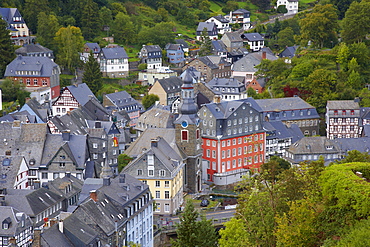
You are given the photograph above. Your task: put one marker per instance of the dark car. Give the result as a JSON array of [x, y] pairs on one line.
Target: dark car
[[204, 203]]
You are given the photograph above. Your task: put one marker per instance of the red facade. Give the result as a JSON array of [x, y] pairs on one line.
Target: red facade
[[36, 82], [234, 153]]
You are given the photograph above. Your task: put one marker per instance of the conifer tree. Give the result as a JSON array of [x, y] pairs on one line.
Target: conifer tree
[[92, 75], [6, 48]]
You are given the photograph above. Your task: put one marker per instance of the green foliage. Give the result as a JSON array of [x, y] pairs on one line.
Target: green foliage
[[69, 42], [135, 90], [358, 235], [206, 46], [142, 66], [13, 91], [123, 161], [92, 75], [149, 100], [285, 37], [161, 34], [263, 5], [6, 48], [354, 156], [234, 234], [47, 27], [123, 29], [282, 9], [31, 10], [230, 6], [90, 20], [191, 232]]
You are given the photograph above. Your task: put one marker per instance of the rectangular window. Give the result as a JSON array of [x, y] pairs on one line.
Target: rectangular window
[[158, 207], [95, 145], [167, 207], [223, 143], [166, 184], [151, 173], [157, 183], [214, 154], [213, 165], [208, 153], [184, 135], [157, 194], [223, 154], [213, 143], [34, 81], [55, 175], [234, 152], [240, 151], [44, 175], [162, 173], [167, 194]]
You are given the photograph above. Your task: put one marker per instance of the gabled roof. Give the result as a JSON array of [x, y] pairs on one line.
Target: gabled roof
[[182, 42], [171, 85], [94, 47], [220, 18], [361, 144], [209, 26], [230, 83], [157, 116], [81, 92], [214, 61], [314, 145], [123, 99], [58, 185], [12, 217], [173, 47], [9, 168], [289, 51], [342, 105], [43, 65], [234, 37], [41, 112], [241, 11], [9, 13], [153, 48], [114, 53], [53, 237], [252, 36], [219, 46], [32, 48], [250, 61]]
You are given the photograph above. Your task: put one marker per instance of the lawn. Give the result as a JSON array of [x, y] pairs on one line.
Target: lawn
[[216, 8], [306, 1]]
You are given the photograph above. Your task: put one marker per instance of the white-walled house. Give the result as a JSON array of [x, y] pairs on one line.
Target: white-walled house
[[290, 5], [113, 62], [221, 22]]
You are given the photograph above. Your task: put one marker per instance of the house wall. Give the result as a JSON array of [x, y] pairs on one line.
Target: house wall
[[158, 90], [114, 68]]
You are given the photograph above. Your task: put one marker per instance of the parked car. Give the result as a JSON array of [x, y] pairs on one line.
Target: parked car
[[204, 203]]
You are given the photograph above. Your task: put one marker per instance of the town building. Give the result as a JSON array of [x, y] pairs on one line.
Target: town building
[[93, 48], [162, 168], [167, 89], [175, 54], [184, 45], [258, 85], [288, 53], [240, 16], [228, 88], [232, 41], [222, 24], [255, 41], [343, 119], [19, 32], [290, 5], [210, 67], [148, 77], [291, 110], [151, 55], [219, 48], [233, 139], [35, 50], [40, 75], [113, 62], [207, 28]]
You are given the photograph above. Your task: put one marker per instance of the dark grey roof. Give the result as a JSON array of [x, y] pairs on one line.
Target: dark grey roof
[[79, 233], [252, 36], [8, 173], [288, 51], [250, 61], [217, 84], [182, 42], [33, 49], [261, 81], [123, 100], [153, 48], [221, 18], [214, 61], [209, 26], [41, 112], [277, 129], [43, 65], [240, 11], [8, 14], [53, 237], [58, 185], [94, 47], [173, 47], [156, 117], [171, 85], [81, 92], [218, 46], [314, 145], [234, 37], [13, 217], [114, 53], [361, 144]]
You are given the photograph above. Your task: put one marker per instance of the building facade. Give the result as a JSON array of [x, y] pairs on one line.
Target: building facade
[[113, 62]]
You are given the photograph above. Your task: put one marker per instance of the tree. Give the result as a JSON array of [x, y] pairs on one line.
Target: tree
[[31, 10], [285, 37], [206, 47], [13, 91], [282, 9], [123, 29], [191, 232], [354, 156], [90, 20], [230, 6], [6, 48], [92, 75], [355, 24], [47, 27], [123, 161], [161, 34], [263, 5], [69, 42], [106, 17], [320, 26], [149, 100], [234, 234]]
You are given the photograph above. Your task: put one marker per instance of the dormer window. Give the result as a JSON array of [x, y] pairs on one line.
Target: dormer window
[[329, 147], [344, 112], [6, 223]]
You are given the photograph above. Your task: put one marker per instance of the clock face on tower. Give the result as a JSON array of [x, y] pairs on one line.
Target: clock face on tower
[[184, 124]]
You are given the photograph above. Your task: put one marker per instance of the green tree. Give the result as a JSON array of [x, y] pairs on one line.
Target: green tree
[[69, 42], [358, 235], [123, 29], [13, 91], [356, 22], [191, 232], [161, 34], [263, 5], [31, 10], [234, 234], [6, 48], [354, 156], [90, 20], [123, 161], [117, 8], [106, 17], [92, 75], [282, 9], [47, 27], [343, 56], [230, 6], [149, 100], [285, 37], [320, 26], [206, 46]]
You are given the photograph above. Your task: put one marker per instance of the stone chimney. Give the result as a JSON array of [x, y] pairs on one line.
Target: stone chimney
[[263, 55], [36, 238], [217, 99], [94, 195], [66, 135], [154, 142]]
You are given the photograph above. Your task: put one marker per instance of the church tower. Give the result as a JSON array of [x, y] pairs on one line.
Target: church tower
[[188, 136]]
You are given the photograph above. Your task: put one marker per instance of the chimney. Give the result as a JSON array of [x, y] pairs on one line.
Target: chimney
[[122, 178], [53, 221], [97, 125], [106, 181], [93, 195], [36, 238], [12, 241], [66, 135], [60, 226], [217, 99], [154, 142], [263, 55]]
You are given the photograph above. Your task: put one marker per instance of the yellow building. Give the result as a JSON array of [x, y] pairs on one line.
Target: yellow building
[[162, 168]]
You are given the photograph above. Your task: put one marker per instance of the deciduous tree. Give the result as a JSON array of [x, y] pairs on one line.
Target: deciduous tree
[[123, 29], [47, 27], [149, 100]]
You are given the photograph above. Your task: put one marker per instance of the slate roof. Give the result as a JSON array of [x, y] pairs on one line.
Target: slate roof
[[27, 63], [361, 144], [283, 104], [227, 83], [58, 185], [93, 47], [289, 51], [41, 112], [53, 237], [153, 48], [314, 145], [8, 173], [173, 47], [252, 36], [114, 53], [241, 11], [12, 216], [8, 14], [81, 92], [182, 42], [79, 232], [209, 26], [279, 130], [195, 74], [171, 84], [157, 116], [144, 141], [234, 37], [342, 105], [218, 46], [32, 49], [122, 100], [250, 61], [221, 18], [214, 61]]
